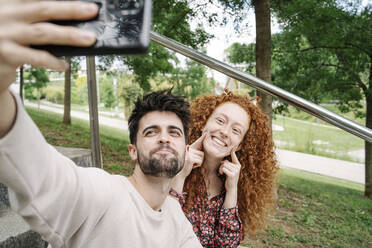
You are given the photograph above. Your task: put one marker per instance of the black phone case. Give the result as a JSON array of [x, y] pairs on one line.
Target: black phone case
[[118, 31]]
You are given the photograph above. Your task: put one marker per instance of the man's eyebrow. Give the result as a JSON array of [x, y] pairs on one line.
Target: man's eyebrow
[[175, 127], [149, 127]]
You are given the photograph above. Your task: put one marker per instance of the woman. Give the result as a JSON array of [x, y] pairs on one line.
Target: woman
[[228, 183]]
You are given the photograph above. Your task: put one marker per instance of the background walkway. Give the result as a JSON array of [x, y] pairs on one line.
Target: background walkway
[[341, 169]]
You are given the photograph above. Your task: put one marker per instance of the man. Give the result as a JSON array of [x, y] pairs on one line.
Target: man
[[72, 206]]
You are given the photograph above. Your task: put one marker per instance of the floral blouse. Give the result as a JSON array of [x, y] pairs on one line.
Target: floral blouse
[[215, 227]]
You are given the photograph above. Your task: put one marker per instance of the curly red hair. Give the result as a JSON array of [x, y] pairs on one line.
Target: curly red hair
[[257, 181]]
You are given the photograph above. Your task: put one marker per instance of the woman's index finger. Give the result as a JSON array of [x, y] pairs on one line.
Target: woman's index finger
[[198, 144], [234, 158]]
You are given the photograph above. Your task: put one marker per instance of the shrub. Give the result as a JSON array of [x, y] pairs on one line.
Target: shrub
[[54, 94]]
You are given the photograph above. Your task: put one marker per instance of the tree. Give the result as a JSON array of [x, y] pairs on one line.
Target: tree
[[263, 43], [192, 81], [263, 51], [108, 95], [38, 78], [172, 19], [130, 91], [67, 95], [326, 45], [291, 71], [21, 82], [73, 68]]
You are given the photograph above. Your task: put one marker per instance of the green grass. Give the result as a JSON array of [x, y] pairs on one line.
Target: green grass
[[312, 210], [83, 108], [114, 142], [301, 115], [299, 136], [317, 211]]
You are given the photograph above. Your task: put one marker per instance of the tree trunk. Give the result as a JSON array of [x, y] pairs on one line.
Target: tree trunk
[[368, 146], [263, 51], [67, 97], [21, 82]]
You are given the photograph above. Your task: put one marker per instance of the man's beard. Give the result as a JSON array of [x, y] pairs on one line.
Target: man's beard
[[162, 166]]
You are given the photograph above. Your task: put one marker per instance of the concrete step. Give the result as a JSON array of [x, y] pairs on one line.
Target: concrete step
[[15, 232]]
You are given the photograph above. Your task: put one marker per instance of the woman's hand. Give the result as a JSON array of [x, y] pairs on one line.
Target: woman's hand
[[194, 158], [194, 155], [232, 172]]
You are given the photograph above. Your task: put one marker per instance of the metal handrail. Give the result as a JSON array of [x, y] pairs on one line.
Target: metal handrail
[[311, 108]]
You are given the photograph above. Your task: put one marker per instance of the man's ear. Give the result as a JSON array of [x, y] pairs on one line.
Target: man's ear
[[132, 151]]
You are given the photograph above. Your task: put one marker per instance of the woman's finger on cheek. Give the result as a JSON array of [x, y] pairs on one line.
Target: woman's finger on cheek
[[199, 153], [220, 170], [196, 165]]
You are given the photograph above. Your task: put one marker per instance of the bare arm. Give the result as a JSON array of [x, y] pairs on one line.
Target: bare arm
[[7, 112]]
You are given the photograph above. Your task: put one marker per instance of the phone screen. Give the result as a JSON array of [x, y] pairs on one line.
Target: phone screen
[[122, 27]]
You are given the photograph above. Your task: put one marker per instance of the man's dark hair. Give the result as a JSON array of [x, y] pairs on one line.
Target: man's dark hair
[[162, 100]]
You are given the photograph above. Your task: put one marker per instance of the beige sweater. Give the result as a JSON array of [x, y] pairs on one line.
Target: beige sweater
[[72, 206]]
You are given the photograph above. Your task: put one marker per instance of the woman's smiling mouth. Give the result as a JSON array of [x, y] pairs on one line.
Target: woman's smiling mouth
[[218, 141]]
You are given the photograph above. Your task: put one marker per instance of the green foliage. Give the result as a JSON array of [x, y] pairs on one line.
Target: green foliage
[[325, 50], [192, 81], [37, 79], [158, 60], [54, 94], [172, 19], [108, 96], [243, 54], [129, 92], [79, 91], [323, 53], [29, 93], [107, 90], [75, 66]]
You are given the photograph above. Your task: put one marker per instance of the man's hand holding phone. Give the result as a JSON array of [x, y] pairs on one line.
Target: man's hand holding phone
[[121, 27], [24, 23]]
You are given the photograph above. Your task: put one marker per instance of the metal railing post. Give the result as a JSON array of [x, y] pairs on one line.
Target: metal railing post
[[93, 113], [311, 108]]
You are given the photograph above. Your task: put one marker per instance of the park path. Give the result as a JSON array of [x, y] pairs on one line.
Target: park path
[[349, 171]]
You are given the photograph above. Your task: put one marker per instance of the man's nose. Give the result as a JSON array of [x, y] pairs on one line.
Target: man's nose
[[163, 138]]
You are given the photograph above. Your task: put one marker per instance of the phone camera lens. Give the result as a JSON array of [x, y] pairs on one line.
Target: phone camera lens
[[130, 4]]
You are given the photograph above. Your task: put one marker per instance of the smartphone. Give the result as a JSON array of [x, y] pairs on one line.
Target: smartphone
[[122, 27]]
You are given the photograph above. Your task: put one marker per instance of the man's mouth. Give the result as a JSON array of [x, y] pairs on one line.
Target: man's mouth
[[164, 150]]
